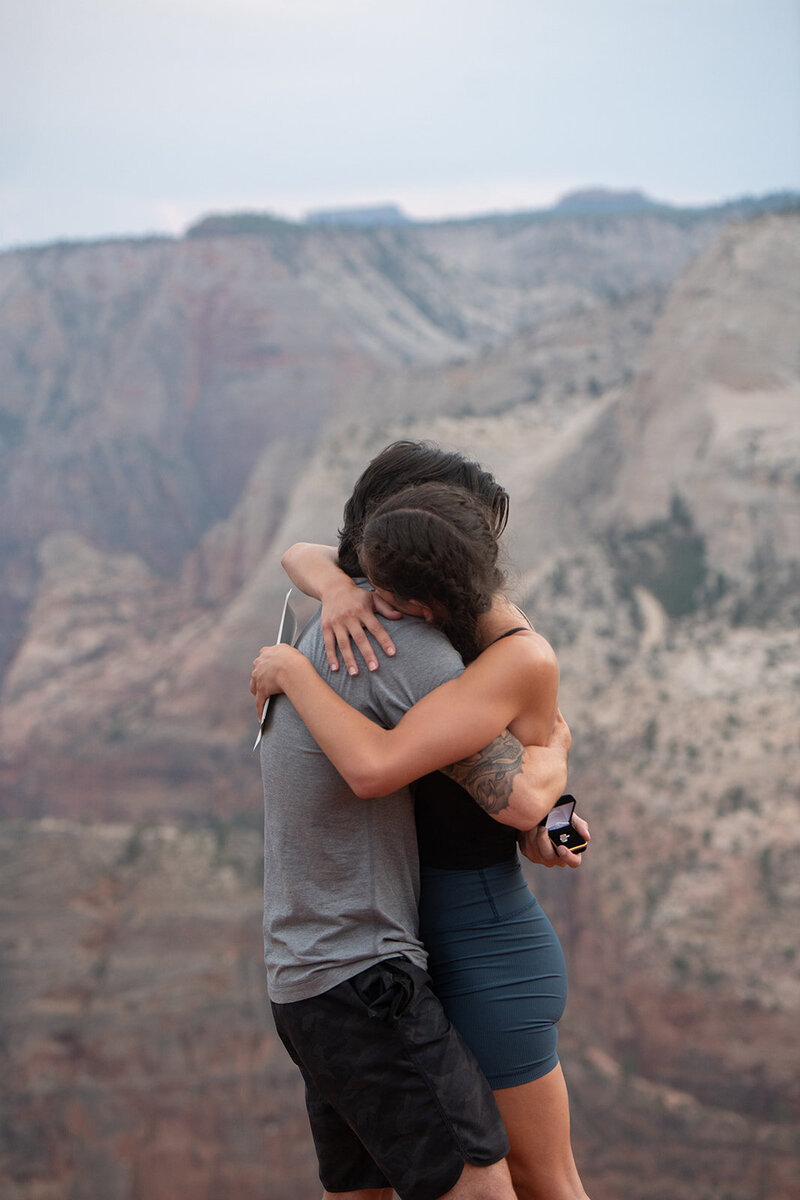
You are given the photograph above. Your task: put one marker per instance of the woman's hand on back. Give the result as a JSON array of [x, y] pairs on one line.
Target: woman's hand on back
[[348, 611], [348, 615]]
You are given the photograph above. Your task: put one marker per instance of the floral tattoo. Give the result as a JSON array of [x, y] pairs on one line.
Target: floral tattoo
[[489, 775]]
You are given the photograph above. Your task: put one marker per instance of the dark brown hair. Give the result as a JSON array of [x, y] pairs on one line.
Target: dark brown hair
[[435, 544], [402, 464]]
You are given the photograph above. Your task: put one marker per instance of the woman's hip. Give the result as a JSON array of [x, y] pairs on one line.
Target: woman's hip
[[470, 899], [486, 932], [498, 968]]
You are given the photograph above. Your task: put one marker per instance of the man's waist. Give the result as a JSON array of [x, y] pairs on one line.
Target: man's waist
[[291, 979]]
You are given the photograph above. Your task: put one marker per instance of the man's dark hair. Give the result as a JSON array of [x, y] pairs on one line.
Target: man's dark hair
[[434, 543], [403, 464]]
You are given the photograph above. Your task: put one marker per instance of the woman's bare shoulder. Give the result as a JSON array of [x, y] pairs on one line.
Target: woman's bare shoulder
[[538, 648], [526, 647], [523, 661], [537, 661]]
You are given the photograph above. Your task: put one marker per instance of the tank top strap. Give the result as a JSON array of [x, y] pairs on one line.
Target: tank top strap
[[508, 633]]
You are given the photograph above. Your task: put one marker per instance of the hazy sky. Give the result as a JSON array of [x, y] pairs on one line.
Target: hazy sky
[[129, 116]]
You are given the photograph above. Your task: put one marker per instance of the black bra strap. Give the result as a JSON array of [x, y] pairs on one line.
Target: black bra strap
[[508, 632]]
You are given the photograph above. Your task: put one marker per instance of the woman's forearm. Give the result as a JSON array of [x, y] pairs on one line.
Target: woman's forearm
[[313, 568], [360, 749], [375, 761], [459, 718], [542, 779], [516, 785], [537, 789]]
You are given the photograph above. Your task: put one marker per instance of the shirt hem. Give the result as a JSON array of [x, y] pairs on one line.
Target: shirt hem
[[331, 979]]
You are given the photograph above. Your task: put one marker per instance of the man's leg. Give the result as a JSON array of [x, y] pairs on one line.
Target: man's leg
[[483, 1183], [382, 1056], [346, 1169], [476, 1183]]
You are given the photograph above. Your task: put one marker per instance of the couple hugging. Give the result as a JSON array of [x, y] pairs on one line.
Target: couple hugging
[[414, 979]]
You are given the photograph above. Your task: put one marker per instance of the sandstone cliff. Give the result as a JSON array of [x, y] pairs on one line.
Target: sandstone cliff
[[175, 415]]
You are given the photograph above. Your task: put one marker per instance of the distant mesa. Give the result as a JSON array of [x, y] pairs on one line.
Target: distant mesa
[[588, 201], [221, 224], [362, 217], [369, 217]]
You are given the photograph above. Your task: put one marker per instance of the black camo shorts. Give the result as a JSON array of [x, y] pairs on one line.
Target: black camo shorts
[[394, 1096]]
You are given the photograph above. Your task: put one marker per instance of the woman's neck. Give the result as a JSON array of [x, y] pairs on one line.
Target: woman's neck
[[503, 615]]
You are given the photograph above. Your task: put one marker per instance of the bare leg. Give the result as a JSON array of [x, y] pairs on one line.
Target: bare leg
[[482, 1183], [536, 1117], [475, 1183]]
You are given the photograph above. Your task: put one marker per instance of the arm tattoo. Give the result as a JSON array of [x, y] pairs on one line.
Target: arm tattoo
[[489, 776]]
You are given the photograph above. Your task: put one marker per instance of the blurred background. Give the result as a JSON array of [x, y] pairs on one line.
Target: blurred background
[[242, 247]]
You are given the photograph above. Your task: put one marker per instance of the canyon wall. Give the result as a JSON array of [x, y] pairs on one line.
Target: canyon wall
[[173, 415]]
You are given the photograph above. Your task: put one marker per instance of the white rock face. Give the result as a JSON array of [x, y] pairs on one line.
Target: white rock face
[[636, 387]]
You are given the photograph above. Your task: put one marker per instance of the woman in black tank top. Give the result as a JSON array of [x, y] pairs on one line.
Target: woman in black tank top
[[494, 957], [453, 832]]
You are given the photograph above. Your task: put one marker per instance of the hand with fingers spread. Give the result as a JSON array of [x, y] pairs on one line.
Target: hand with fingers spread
[[348, 616], [348, 611]]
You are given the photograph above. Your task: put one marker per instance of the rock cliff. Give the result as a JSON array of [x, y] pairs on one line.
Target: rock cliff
[[174, 415]]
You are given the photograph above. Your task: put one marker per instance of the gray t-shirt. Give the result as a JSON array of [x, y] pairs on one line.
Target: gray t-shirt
[[341, 875]]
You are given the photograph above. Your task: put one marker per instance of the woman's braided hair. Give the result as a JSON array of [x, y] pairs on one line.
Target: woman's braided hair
[[404, 464], [435, 544]]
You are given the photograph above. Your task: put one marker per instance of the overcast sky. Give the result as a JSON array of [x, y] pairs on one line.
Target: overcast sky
[[130, 116]]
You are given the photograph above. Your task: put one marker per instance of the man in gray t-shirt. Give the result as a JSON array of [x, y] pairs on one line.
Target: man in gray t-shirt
[[341, 879]]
